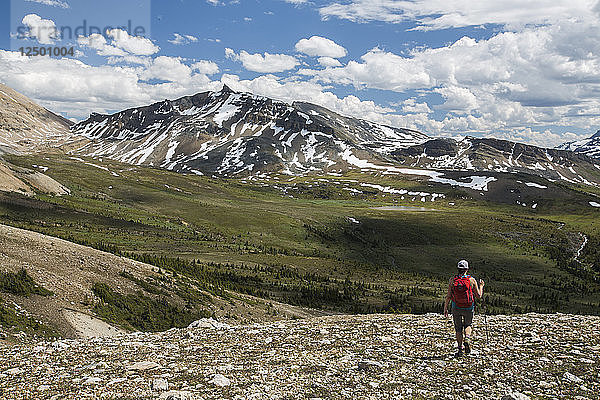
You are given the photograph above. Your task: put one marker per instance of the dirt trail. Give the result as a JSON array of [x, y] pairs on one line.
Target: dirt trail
[[87, 326]]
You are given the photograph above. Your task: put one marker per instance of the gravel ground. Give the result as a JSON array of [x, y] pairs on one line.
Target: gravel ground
[[337, 357]]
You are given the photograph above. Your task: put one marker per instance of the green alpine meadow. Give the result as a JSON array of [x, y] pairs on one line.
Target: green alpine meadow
[[315, 241]]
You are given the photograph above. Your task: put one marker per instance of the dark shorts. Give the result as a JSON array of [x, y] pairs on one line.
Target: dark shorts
[[461, 318]]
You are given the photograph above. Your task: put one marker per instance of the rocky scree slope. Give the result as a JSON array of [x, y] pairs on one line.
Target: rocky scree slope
[[26, 181], [229, 133], [70, 270], [528, 356], [26, 126]]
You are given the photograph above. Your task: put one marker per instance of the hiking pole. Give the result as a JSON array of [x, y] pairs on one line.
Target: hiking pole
[[487, 331]]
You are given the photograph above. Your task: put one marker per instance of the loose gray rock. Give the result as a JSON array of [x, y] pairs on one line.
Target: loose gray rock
[[177, 395], [144, 366], [516, 396], [296, 364], [220, 380], [160, 385], [14, 371], [572, 378], [369, 365], [209, 323]]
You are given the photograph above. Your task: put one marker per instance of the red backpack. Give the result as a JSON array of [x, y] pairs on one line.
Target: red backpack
[[462, 291]]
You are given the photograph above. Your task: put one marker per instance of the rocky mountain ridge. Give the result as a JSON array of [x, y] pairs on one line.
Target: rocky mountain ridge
[[495, 155], [531, 356], [589, 147], [26, 126], [229, 133]]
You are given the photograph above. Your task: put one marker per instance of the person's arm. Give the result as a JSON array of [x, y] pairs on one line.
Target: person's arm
[[478, 287], [448, 299]]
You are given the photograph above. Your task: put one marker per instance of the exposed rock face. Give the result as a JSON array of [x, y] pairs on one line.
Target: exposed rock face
[[341, 357], [26, 126], [229, 133], [501, 156], [589, 147]]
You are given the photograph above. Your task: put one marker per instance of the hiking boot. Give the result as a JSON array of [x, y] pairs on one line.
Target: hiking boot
[[467, 348], [459, 354]]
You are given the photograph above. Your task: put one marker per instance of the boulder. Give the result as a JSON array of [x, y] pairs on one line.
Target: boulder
[[160, 385], [177, 395], [220, 380], [369, 365], [515, 396], [144, 366], [572, 378], [209, 323]]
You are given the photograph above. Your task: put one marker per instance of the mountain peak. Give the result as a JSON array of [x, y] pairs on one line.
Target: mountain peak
[[226, 89], [228, 133], [596, 135]]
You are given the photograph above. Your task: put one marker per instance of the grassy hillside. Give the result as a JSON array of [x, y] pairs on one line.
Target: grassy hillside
[[316, 241]]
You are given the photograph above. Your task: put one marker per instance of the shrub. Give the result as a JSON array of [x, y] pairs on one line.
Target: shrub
[[21, 284]]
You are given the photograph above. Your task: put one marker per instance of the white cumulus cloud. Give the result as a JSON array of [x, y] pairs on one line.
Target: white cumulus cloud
[[329, 62], [378, 70], [457, 99], [266, 63], [443, 14], [121, 44], [43, 30], [318, 46], [52, 3], [98, 42], [182, 39], [206, 67], [411, 106], [132, 44], [75, 88]]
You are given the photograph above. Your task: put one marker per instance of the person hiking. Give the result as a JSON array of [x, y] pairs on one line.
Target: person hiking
[[461, 289]]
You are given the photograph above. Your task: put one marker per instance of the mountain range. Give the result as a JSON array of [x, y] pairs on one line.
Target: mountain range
[[483, 154], [227, 133], [590, 146]]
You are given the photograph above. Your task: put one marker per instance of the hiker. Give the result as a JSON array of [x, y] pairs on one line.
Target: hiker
[[460, 291]]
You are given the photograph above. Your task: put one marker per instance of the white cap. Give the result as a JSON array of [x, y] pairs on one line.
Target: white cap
[[463, 264]]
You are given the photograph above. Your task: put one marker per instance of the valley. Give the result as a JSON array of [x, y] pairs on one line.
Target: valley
[[376, 226], [321, 241]]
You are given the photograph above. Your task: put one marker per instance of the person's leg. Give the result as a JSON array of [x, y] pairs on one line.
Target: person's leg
[[458, 328], [468, 316], [459, 339], [468, 331]]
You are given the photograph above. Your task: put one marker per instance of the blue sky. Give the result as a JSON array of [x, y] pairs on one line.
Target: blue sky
[[527, 72]]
